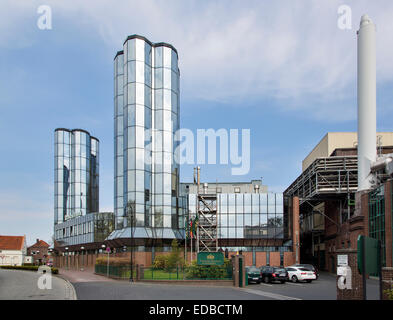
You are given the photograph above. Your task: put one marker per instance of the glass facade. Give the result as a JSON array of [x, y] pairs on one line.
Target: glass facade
[[85, 229], [248, 215], [146, 116], [76, 174]]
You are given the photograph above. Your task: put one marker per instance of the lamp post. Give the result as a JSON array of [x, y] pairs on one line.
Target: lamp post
[[107, 264], [83, 260], [130, 212], [66, 248]]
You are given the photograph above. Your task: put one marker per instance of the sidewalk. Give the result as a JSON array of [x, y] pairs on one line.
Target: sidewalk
[[82, 276]]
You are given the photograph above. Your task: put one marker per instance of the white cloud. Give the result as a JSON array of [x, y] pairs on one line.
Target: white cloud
[[232, 51]]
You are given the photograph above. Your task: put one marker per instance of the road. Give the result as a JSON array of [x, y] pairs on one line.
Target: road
[[89, 286], [22, 285], [322, 289]]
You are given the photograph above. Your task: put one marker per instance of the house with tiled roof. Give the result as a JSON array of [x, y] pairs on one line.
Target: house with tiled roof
[[13, 250], [39, 252]]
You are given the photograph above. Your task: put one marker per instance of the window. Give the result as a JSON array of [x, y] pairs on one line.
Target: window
[[237, 190]]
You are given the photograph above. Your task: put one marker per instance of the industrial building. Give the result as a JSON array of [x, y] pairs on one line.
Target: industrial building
[[326, 189]]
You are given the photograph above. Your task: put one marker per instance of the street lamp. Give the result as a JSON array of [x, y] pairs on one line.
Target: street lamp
[[130, 212], [107, 265], [66, 248], [83, 260]]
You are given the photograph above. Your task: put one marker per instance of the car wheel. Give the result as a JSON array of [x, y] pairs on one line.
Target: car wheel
[[309, 281], [259, 281], [266, 279], [294, 279], [282, 281]]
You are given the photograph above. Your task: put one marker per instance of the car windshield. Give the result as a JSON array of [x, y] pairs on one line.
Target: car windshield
[[253, 269], [279, 270]]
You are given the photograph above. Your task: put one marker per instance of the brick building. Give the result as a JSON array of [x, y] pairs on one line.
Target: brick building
[[39, 251], [332, 213]]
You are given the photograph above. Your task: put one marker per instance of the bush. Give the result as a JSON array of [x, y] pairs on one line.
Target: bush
[[195, 271], [28, 268], [113, 261], [160, 262], [170, 261], [389, 293]]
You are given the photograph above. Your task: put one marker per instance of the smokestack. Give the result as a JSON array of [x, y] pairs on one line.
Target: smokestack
[[367, 115]]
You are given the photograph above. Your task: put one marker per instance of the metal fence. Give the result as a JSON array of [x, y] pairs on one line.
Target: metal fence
[[177, 273]]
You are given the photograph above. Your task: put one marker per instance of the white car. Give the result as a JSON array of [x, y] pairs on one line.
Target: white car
[[296, 274]]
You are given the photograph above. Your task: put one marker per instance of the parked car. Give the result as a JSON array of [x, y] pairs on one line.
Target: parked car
[[253, 274], [307, 266], [297, 274], [270, 274]]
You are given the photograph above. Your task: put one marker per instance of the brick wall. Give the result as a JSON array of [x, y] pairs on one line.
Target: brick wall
[[275, 259], [260, 259], [357, 283], [289, 258], [387, 280]]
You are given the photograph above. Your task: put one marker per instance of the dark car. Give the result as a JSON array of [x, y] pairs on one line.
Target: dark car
[[270, 274], [253, 274], [308, 266]]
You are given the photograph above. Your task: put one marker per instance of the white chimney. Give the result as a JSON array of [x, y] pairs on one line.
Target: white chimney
[[367, 115]]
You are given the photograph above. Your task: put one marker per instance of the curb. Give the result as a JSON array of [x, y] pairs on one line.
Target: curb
[[70, 290]]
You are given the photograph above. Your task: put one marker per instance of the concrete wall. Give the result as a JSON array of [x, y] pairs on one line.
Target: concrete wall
[[335, 140]]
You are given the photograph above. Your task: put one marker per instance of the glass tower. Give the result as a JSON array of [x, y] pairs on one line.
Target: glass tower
[[146, 117], [76, 174]]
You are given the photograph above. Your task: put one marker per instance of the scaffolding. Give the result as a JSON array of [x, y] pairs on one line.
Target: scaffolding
[[324, 177], [207, 230]]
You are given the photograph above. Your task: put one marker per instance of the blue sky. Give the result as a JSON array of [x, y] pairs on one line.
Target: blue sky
[[284, 70]]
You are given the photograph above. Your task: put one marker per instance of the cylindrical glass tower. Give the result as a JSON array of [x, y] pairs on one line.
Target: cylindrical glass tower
[[76, 174], [150, 115]]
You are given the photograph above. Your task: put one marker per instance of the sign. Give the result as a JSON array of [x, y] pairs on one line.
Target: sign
[[108, 249], [369, 248], [210, 259], [342, 260]]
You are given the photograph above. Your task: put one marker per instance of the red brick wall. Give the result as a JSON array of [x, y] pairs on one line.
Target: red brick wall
[[248, 258], [275, 259], [289, 258], [260, 259], [387, 280], [296, 230]]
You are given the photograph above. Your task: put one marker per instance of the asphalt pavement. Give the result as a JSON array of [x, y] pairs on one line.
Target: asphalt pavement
[[322, 289], [23, 285]]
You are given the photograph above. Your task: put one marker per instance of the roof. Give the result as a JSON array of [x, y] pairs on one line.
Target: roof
[[39, 244], [12, 242]]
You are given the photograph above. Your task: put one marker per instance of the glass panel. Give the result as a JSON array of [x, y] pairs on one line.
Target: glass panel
[[131, 71], [140, 50], [140, 72], [158, 57], [131, 49], [158, 72]]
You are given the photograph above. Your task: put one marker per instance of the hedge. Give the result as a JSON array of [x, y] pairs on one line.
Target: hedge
[[28, 268]]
